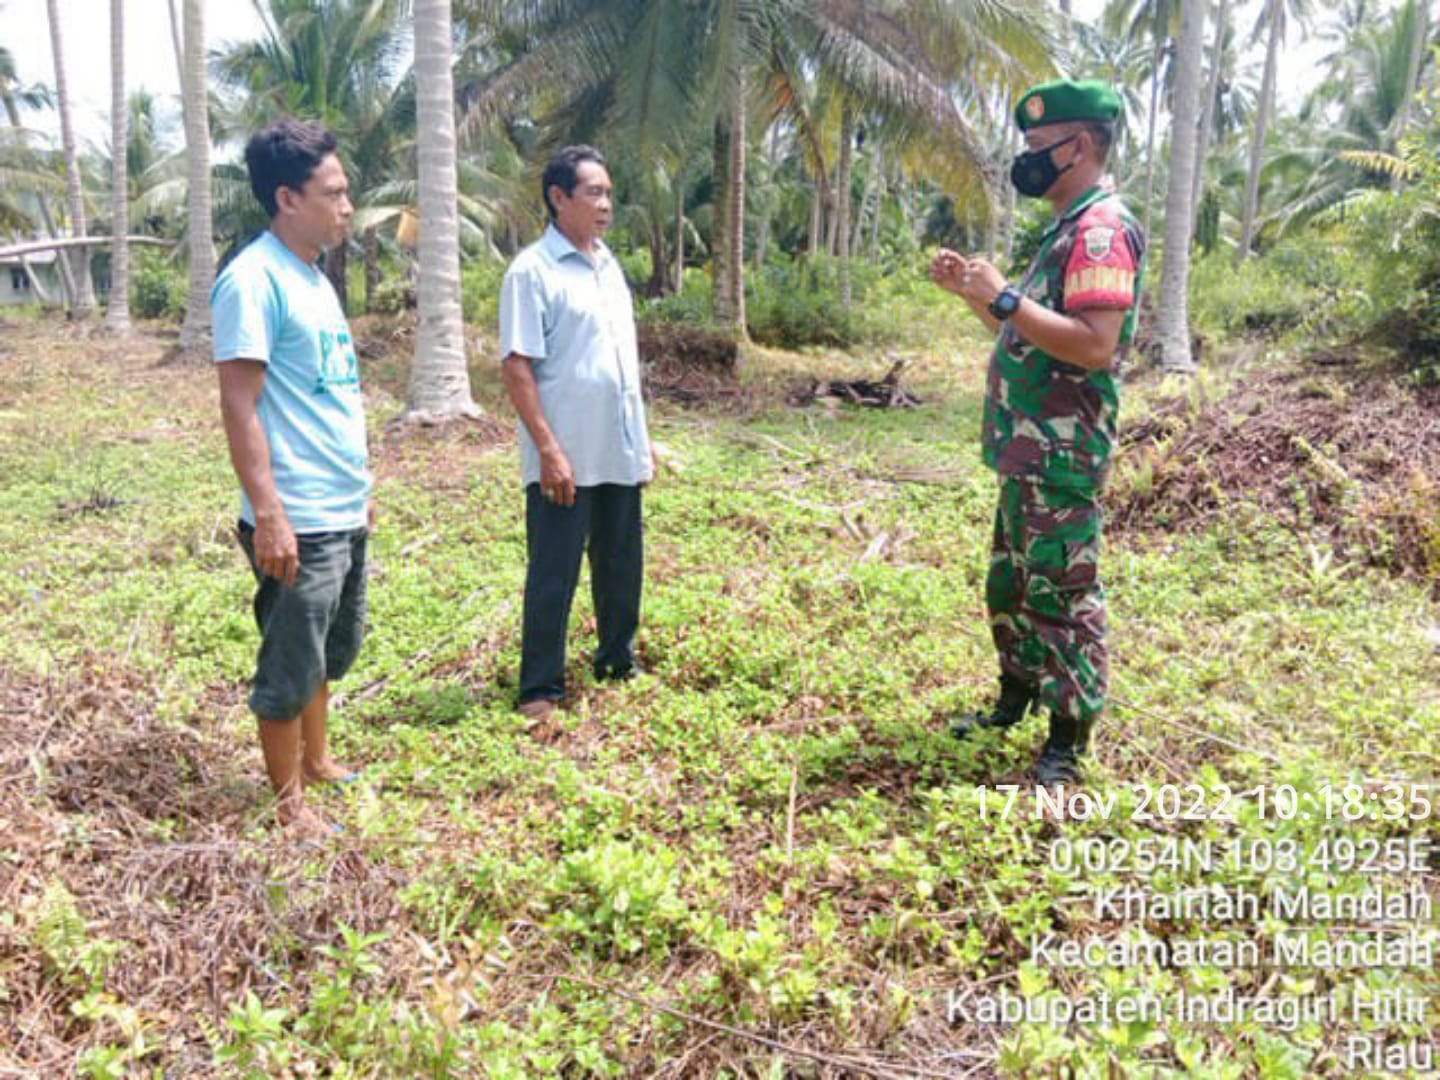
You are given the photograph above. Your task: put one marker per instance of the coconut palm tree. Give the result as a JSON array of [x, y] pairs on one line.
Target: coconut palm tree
[[439, 380], [1357, 110], [14, 95], [1173, 319], [156, 171], [1154, 21], [195, 330], [1274, 21], [28, 176], [1114, 58], [1415, 16], [655, 76], [1212, 98], [84, 299], [117, 313], [337, 61]]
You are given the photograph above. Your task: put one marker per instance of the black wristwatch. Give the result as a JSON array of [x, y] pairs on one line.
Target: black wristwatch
[[1004, 305]]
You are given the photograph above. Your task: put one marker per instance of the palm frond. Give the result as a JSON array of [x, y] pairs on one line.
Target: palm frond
[[1377, 161]]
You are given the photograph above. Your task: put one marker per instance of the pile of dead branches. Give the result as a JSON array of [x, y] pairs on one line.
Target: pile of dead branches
[[693, 367], [135, 869], [1351, 455], [885, 393]]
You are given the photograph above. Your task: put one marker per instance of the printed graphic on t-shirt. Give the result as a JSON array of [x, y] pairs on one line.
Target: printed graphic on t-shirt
[[339, 366]]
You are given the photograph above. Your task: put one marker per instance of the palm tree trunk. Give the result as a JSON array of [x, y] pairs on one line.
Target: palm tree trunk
[[729, 297], [439, 379], [844, 167], [1207, 117], [1418, 39], [1150, 139], [195, 330], [179, 56], [659, 266], [832, 215], [1016, 141], [881, 189], [1262, 122], [79, 256], [735, 213], [67, 277], [817, 221], [720, 299], [37, 286], [862, 212], [1173, 320], [337, 269], [41, 293], [679, 235], [763, 212], [370, 240], [117, 313]]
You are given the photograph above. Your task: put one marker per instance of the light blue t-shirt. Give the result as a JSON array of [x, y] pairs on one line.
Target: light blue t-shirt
[[270, 305], [574, 318]]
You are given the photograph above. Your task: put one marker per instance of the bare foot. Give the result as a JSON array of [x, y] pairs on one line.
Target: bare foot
[[301, 822], [327, 771]]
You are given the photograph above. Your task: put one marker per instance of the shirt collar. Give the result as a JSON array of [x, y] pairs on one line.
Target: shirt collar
[[1087, 199], [285, 252], [558, 247]]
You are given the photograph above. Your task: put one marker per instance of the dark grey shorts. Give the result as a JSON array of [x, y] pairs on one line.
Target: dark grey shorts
[[311, 631]]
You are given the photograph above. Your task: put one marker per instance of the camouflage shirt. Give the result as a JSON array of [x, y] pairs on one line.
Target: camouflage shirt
[[1044, 417]]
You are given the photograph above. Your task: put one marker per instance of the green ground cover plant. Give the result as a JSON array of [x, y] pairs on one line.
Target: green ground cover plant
[[764, 858]]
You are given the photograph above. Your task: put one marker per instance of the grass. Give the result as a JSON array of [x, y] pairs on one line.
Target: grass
[[765, 859]]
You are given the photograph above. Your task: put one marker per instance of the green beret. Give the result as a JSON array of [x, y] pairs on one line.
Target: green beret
[[1062, 100]]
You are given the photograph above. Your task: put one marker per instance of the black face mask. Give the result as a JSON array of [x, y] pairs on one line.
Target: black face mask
[[1033, 173]]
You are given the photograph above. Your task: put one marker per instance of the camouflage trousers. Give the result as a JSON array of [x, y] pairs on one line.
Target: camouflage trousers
[[1043, 594]]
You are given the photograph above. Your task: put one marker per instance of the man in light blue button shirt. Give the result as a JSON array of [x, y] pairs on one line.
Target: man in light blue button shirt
[[567, 333]]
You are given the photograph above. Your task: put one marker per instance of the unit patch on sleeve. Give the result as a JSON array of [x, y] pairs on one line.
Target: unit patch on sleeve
[[1098, 241], [1101, 269]]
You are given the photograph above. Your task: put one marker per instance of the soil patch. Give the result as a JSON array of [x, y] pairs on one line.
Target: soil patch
[[1352, 455]]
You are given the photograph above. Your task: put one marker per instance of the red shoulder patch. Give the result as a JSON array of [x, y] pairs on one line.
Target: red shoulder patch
[[1102, 269]]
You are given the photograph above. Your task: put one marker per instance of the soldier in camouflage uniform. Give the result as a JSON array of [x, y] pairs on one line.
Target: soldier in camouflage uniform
[[1050, 408]]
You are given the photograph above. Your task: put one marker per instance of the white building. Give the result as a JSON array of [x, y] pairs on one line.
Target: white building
[[16, 286]]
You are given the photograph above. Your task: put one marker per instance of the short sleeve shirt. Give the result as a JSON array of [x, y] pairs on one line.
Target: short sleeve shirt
[[574, 318], [1046, 418], [270, 305]]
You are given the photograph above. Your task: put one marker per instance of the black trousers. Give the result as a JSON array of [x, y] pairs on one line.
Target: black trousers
[[606, 518]]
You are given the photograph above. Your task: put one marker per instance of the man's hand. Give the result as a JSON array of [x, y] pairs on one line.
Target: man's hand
[[980, 282], [370, 515], [277, 552], [662, 460], [947, 269], [557, 479]]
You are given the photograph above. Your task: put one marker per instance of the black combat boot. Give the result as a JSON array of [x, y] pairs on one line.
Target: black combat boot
[[1009, 709], [1060, 761]]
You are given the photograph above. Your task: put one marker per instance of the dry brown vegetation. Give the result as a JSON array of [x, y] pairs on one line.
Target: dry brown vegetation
[[1352, 455]]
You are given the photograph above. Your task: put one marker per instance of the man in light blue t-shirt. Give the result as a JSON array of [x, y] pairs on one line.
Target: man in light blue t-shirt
[[290, 398]]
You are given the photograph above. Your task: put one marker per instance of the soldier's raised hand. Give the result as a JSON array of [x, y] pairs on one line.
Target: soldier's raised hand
[[947, 269], [980, 282]]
